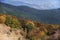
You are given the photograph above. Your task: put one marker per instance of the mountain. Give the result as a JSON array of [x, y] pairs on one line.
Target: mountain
[[23, 3], [47, 16]]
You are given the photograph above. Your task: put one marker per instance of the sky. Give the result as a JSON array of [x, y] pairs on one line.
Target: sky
[[38, 4]]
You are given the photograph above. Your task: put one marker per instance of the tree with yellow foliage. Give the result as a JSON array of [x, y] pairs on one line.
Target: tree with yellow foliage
[[2, 18], [30, 25]]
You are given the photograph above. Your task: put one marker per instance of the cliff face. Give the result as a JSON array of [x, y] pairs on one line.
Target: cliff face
[[6, 33]]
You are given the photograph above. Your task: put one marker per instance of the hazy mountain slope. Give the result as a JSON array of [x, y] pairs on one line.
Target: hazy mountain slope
[[46, 16]]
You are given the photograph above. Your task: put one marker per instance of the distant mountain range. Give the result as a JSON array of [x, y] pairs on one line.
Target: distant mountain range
[[47, 16], [23, 3]]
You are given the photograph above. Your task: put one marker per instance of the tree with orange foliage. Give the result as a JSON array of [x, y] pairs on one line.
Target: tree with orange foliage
[[2, 18]]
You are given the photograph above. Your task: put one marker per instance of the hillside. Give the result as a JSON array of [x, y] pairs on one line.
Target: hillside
[[6, 33], [12, 28], [46, 16]]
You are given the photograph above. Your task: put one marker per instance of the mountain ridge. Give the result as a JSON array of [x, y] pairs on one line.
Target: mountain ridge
[[27, 6], [46, 16]]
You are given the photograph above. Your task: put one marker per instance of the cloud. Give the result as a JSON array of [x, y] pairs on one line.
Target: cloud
[[42, 4], [15, 0]]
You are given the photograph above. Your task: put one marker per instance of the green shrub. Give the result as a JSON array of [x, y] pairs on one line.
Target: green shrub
[[12, 22]]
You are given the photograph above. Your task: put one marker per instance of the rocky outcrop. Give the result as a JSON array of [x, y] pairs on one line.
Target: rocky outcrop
[[6, 33]]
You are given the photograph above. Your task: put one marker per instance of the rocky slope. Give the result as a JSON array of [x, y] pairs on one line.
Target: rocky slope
[[6, 33]]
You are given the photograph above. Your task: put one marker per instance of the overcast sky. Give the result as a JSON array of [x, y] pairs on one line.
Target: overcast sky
[[39, 4]]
